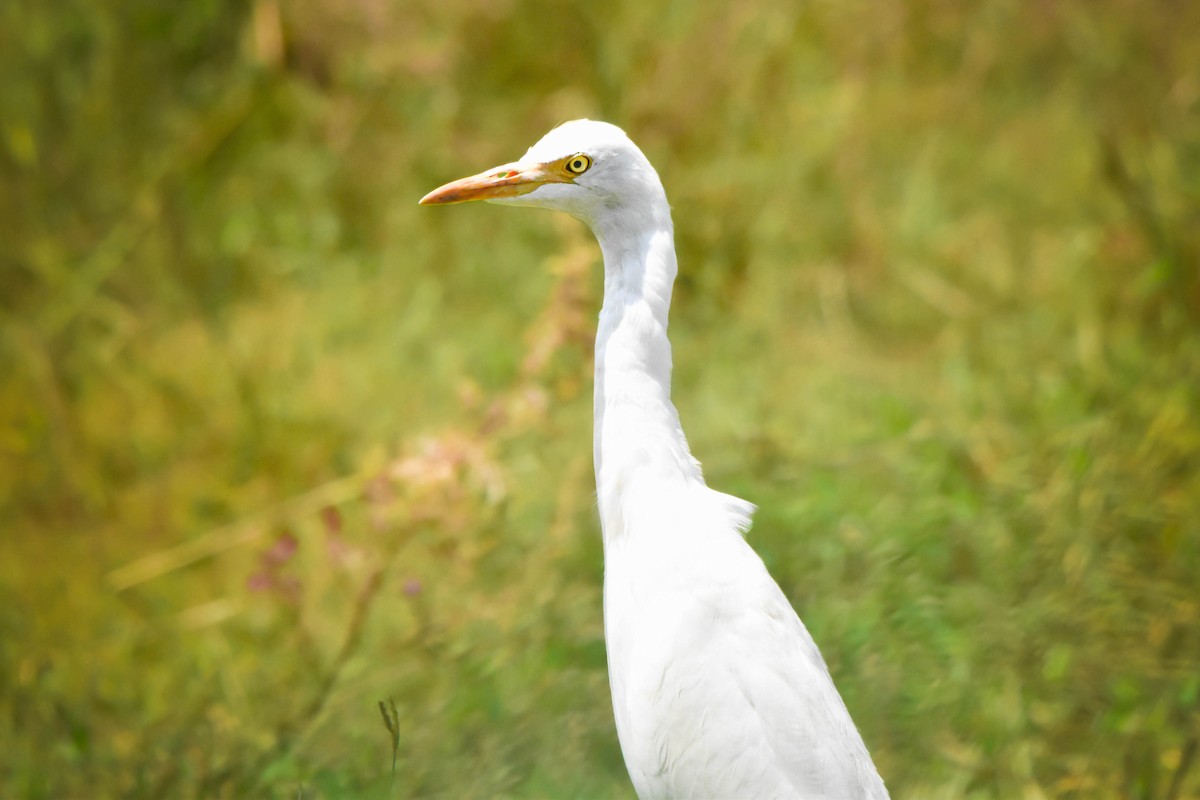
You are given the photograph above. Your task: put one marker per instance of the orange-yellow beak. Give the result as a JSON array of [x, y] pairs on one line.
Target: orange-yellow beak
[[507, 180]]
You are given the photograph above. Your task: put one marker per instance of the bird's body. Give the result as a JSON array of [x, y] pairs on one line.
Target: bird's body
[[718, 689]]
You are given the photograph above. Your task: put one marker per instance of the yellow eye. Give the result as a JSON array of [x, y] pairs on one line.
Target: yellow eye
[[577, 165]]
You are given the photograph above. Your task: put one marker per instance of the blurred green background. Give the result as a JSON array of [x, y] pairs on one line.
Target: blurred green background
[[277, 445]]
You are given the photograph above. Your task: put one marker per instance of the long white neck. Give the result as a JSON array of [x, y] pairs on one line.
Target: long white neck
[[638, 439]]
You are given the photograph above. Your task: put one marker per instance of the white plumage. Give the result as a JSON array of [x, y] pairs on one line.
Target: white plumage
[[718, 689]]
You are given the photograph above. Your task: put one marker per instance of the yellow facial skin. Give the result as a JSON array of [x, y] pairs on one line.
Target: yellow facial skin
[[509, 180]]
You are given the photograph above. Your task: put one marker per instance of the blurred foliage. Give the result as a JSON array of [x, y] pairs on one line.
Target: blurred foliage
[[274, 449]]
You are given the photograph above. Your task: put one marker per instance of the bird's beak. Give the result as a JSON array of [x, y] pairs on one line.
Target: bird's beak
[[507, 180]]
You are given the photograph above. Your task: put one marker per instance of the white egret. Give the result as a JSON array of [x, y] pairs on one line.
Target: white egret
[[718, 689]]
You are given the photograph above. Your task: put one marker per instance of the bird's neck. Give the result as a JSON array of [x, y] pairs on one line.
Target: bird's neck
[[639, 442]]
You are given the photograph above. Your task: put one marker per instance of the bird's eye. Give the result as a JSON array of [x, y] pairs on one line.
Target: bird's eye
[[577, 165]]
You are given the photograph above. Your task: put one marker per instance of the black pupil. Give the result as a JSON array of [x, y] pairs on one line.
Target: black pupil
[[577, 165]]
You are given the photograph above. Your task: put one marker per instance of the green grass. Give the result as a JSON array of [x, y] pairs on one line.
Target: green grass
[[277, 445]]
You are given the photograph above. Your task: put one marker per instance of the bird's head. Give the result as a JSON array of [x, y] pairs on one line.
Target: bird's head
[[589, 169]]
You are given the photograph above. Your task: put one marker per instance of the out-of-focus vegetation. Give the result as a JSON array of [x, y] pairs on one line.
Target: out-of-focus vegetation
[[274, 446]]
